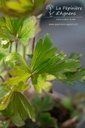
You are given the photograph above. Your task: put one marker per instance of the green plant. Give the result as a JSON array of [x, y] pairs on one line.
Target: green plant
[[42, 107], [17, 70], [47, 109]]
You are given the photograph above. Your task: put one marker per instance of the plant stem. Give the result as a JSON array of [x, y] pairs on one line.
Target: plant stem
[[16, 46], [5, 68], [70, 122], [33, 45], [24, 52], [2, 78], [10, 49], [51, 90]]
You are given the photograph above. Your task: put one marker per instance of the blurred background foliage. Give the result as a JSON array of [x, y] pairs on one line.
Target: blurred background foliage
[[21, 8]]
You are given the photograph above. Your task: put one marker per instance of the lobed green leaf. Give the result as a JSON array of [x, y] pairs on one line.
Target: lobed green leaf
[[41, 83], [42, 104], [76, 56], [42, 53], [5, 101], [17, 120], [19, 109], [44, 120], [29, 29], [19, 76], [21, 87], [72, 77], [28, 107], [3, 91], [20, 73], [67, 103], [16, 58]]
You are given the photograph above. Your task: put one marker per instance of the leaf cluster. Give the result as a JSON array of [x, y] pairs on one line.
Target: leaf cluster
[[20, 30], [16, 107], [42, 107], [76, 110], [46, 65], [23, 8]]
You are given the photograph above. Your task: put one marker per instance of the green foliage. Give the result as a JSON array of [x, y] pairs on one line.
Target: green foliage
[[5, 30], [71, 78], [16, 59], [78, 75], [45, 120], [76, 56], [46, 65], [19, 109], [2, 56], [42, 107], [67, 103], [3, 91], [42, 104], [21, 8], [13, 29], [45, 59], [41, 83], [5, 101], [21, 72], [42, 54], [19, 75], [21, 86], [3, 52], [79, 97], [29, 30], [78, 114], [3, 3], [4, 124], [75, 105]]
